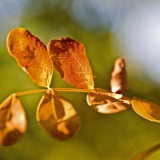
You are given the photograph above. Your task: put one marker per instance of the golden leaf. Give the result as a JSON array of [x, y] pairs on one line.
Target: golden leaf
[[112, 107], [146, 109], [100, 96], [70, 60], [57, 116], [13, 121], [107, 102], [31, 55], [118, 76]]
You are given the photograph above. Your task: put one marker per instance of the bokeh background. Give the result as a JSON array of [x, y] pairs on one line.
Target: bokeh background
[[109, 29]]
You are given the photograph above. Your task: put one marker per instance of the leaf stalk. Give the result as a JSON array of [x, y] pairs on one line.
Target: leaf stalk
[[56, 89]]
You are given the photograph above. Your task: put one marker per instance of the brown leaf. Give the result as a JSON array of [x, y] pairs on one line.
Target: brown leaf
[[70, 60], [112, 107], [13, 121], [146, 109], [100, 96], [118, 76], [57, 116], [31, 55], [107, 102]]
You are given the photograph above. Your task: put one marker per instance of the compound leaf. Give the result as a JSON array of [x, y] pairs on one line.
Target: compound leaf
[[31, 55], [70, 60], [146, 109], [57, 116], [118, 76], [13, 121], [107, 102]]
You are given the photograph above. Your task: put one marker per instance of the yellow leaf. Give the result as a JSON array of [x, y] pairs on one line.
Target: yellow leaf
[[31, 55], [57, 116], [13, 121], [118, 76], [70, 60], [107, 102], [146, 109]]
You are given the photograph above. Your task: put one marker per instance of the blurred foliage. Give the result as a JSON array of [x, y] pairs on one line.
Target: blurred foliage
[[114, 137]]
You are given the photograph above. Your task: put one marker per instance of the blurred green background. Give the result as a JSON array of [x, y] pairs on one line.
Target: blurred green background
[[109, 29]]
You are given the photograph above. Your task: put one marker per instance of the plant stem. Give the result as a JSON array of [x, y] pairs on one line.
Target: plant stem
[[146, 153], [56, 89]]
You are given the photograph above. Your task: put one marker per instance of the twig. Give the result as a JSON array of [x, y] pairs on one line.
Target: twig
[[144, 154]]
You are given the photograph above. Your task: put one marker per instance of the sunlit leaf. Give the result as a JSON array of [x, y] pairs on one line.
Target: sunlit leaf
[[100, 96], [13, 121], [57, 116], [118, 76], [31, 55], [112, 107], [146, 109], [70, 60], [106, 102]]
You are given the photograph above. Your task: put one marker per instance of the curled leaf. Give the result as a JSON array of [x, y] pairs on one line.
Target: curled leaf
[[13, 121], [146, 109], [118, 76], [70, 60], [57, 116], [31, 55], [107, 102]]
